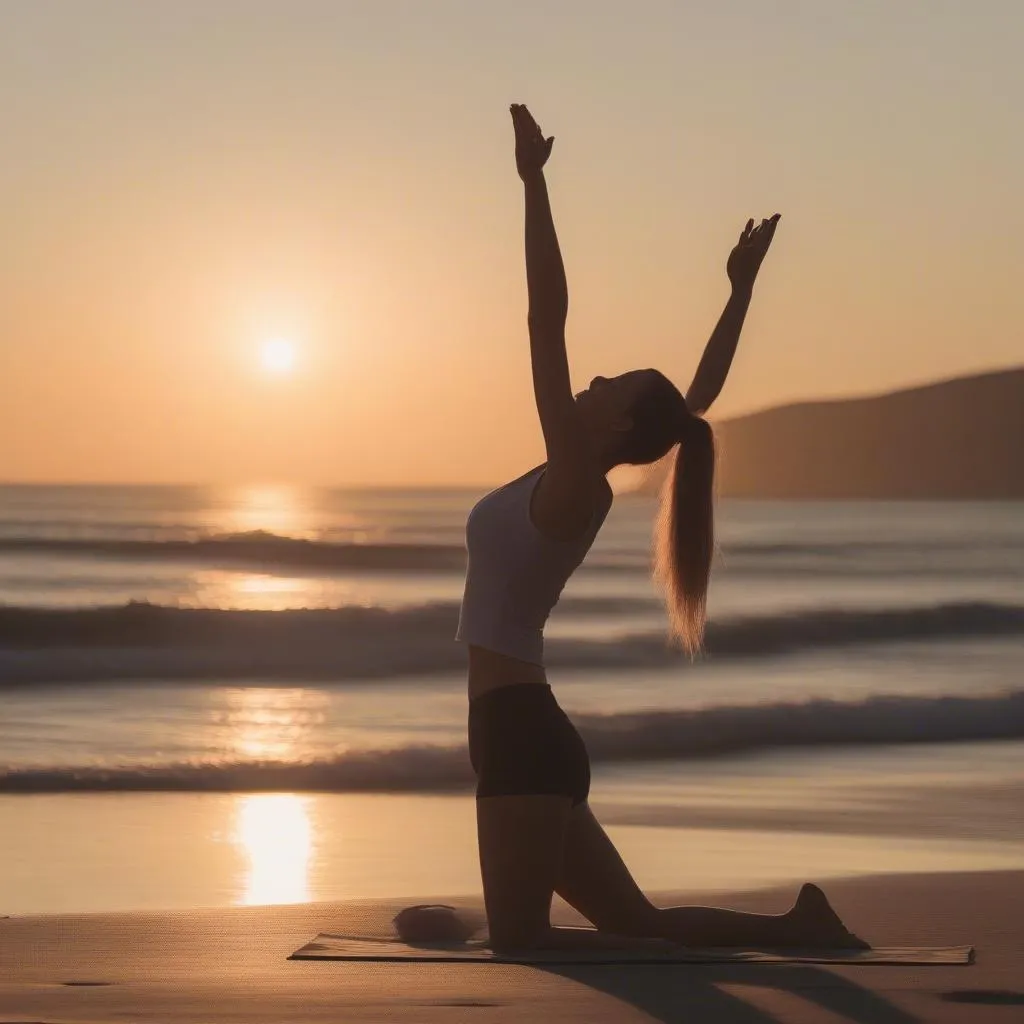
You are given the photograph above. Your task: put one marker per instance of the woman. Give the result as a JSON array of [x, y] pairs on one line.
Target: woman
[[536, 832]]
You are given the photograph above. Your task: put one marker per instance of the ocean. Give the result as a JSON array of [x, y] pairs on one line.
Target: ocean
[[246, 695]]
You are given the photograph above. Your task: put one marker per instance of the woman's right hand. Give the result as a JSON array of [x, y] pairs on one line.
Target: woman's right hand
[[532, 149], [745, 260]]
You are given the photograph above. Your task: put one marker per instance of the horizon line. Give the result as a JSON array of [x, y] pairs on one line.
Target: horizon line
[[473, 485]]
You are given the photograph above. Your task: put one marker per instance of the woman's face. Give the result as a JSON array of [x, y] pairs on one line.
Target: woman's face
[[605, 405]]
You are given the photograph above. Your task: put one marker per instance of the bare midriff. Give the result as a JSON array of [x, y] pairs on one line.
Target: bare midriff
[[489, 670]]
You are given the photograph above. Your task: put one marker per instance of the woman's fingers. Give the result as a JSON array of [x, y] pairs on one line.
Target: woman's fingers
[[769, 229], [762, 235], [526, 128], [522, 116]]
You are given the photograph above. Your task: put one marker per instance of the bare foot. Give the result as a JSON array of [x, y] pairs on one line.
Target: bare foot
[[816, 924]]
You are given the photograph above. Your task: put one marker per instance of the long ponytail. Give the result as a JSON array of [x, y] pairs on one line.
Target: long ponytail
[[685, 536]]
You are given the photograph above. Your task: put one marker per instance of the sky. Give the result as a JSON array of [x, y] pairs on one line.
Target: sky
[[184, 183]]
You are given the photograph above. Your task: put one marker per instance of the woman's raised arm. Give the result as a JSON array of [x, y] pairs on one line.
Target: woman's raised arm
[[743, 264], [548, 296]]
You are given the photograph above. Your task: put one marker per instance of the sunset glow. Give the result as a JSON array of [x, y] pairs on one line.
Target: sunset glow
[[269, 284]]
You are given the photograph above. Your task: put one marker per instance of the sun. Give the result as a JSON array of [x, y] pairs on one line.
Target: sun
[[278, 355]]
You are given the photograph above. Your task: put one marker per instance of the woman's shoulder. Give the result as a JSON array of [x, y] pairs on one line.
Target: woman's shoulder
[[564, 506]]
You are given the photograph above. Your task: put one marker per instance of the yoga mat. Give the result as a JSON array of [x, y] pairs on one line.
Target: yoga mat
[[341, 947]]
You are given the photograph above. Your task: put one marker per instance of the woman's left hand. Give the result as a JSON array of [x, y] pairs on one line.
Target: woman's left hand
[[532, 149], [745, 260]]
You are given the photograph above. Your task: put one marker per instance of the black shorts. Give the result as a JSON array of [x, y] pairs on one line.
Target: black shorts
[[522, 743]]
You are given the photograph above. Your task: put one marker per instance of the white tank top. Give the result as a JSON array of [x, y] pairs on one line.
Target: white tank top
[[515, 573]]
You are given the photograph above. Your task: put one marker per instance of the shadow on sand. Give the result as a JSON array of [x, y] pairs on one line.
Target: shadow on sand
[[687, 993]]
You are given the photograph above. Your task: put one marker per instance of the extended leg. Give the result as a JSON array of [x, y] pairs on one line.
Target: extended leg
[[595, 881]]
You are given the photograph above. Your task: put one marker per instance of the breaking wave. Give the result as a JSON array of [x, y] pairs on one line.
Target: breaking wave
[[635, 737], [151, 642], [256, 549]]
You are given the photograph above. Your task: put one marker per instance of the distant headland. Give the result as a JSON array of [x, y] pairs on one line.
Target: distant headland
[[955, 439]]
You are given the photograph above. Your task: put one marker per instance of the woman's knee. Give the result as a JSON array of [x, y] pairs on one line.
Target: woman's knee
[[509, 938]]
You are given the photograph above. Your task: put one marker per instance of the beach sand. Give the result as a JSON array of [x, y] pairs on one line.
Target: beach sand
[[231, 965]]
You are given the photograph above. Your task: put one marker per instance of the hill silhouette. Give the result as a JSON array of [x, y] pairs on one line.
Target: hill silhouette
[[955, 439]]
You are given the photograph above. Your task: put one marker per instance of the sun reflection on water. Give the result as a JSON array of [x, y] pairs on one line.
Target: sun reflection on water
[[247, 591], [265, 521], [283, 511], [270, 724], [273, 830], [276, 836]]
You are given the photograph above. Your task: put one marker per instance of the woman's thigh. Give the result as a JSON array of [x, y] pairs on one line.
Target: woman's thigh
[[522, 840]]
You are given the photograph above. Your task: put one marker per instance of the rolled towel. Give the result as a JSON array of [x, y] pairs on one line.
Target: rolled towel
[[431, 922]]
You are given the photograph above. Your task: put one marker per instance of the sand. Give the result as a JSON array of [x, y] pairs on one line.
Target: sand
[[230, 965]]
